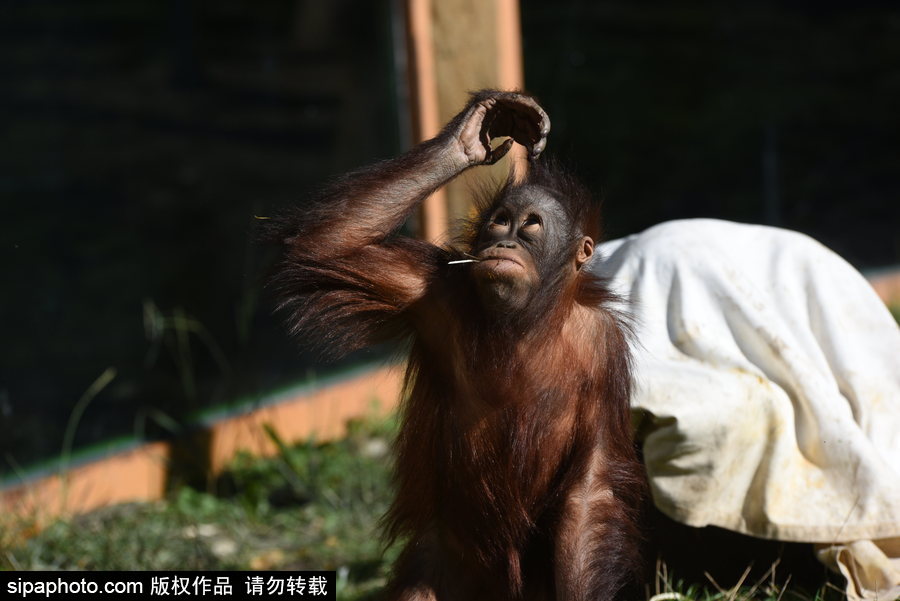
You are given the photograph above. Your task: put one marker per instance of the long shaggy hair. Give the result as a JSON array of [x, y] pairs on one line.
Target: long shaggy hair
[[505, 420]]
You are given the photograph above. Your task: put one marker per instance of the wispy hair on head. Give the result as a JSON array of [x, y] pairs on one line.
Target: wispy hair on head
[[582, 209]]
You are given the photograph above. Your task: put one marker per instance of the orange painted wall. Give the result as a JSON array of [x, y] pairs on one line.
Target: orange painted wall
[[887, 285], [140, 474]]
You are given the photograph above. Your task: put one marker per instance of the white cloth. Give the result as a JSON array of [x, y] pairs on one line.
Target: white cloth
[[768, 390]]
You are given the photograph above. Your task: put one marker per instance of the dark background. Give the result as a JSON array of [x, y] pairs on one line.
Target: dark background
[[139, 138]]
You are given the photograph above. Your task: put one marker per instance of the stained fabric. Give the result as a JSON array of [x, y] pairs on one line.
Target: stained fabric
[[768, 390]]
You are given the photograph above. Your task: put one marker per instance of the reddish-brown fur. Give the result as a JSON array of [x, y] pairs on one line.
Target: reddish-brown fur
[[516, 476]]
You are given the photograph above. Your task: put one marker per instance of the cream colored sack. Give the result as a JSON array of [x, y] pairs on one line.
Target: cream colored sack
[[768, 395]]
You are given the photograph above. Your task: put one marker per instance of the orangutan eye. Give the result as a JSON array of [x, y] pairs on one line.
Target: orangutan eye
[[532, 220], [501, 219]]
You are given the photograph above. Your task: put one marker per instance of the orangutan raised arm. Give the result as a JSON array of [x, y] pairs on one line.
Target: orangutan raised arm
[[340, 259]]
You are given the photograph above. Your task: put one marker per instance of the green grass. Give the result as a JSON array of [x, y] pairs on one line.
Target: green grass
[[313, 506]]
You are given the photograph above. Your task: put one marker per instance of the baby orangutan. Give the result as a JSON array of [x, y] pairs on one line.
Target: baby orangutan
[[516, 475]]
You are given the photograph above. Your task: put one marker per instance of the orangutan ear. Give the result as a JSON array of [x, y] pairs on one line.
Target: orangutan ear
[[585, 252]]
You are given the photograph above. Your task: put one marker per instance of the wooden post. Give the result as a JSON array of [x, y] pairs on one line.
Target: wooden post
[[426, 122], [511, 70], [459, 46]]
